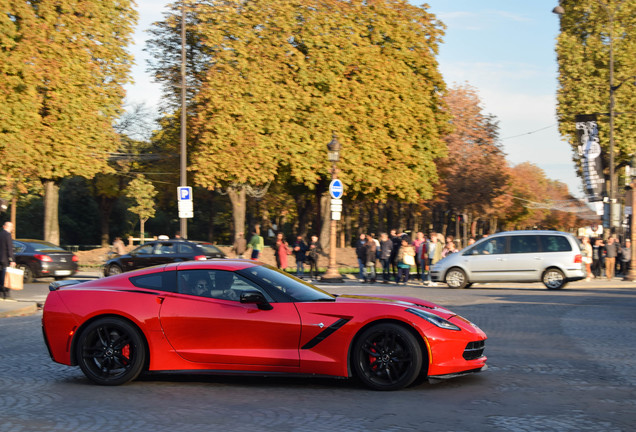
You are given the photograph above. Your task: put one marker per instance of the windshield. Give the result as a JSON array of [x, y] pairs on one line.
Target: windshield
[[297, 289]]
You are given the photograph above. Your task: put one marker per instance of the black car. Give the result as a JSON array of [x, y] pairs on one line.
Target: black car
[[162, 252], [43, 259]]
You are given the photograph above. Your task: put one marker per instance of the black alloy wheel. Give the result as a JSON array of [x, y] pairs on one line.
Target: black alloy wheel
[[387, 357], [111, 351], [28, 273]]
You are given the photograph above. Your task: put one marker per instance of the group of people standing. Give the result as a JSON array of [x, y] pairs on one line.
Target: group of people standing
[[399, 253], [303, 252], [608, 257]]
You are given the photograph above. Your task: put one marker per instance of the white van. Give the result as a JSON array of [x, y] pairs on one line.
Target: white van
[[551, 257]]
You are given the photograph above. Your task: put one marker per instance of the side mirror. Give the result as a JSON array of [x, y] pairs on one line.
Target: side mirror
[[257, 298]]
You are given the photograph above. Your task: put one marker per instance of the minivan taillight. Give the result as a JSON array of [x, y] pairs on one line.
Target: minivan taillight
[[200, 258], [578, 259]]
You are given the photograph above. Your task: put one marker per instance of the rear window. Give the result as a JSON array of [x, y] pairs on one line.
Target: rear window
[[44, 246], [209, 249], [555, 243], [163, 281]]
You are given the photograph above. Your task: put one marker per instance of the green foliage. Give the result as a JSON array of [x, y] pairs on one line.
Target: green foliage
[[583, 50], [142, 192]]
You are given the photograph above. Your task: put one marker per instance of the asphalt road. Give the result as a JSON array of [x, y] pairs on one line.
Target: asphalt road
[[559, 361]]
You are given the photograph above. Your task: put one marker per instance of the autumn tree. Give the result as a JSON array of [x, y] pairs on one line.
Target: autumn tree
[[590, 29], [61, 87], [284, 75], [474, 172], [143, 194]]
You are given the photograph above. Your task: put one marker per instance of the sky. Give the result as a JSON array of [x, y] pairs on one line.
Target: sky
[[503, 48]]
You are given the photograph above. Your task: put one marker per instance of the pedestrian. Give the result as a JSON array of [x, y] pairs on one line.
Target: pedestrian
[[586, 253], [315, 250], [386, 247], [450, 248], [397, 242], [611, 252], [300, 252], [361, 254], [434, 251], [240, 245], [6, 255], [417, 244], [370, 247], [118, 246], [597, 257], [256, 243], [281, 251], [405, 259], [626, 257]]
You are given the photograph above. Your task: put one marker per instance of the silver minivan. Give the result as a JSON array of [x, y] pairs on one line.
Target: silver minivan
[[551, 257]]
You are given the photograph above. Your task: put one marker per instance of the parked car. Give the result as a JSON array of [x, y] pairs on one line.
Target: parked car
[[245, 317], [551, 257], [41, 259], [162, 252]]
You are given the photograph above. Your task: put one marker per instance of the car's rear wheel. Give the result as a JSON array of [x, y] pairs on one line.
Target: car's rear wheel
[[456, 278], [554, 279], [111, 351], [114, 269], [387, 357], [28, 273]]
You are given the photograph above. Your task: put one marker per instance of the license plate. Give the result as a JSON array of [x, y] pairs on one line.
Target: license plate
[[62, 272]]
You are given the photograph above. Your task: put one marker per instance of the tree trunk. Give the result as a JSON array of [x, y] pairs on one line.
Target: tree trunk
[[14, 206], [51, 208], [211, 217], [325, 216], [105, 210], [142, 226], [239, 206]]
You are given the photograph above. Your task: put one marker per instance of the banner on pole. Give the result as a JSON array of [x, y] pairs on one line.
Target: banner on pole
[[590, 153]]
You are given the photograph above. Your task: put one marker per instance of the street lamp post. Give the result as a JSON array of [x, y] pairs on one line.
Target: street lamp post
[[183, 223], [332, 274]]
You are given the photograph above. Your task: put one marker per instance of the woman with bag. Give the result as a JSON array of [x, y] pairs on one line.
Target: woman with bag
[[6, 255], [586, 252], [406, 259]]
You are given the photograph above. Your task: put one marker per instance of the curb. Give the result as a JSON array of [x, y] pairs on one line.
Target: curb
[[24, 309]]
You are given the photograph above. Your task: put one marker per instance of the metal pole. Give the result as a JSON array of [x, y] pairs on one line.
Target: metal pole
[[184, 178], [631, 275], [611, 119]]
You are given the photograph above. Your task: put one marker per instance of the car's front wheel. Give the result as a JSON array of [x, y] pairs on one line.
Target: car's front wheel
[[554, 279], [456, 278], [111, 351], [28, 273], [113, 269], [387, 357]]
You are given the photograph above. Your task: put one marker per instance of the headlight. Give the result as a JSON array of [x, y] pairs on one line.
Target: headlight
[[434, 319]]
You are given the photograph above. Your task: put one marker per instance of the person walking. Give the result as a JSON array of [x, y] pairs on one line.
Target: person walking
[[587, 253], [240, 245], [281, 251], [597, 258], [626, 257], [434, 251], [361, 254], [397, 242], [405, 259], [386, 247], [369, 276], [118, 246], [315, 250], [611, 252], [7, 258], [300, 252], [256, 243], [417, 244]]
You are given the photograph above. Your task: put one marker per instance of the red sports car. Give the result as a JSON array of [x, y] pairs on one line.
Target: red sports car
[[236, 316]]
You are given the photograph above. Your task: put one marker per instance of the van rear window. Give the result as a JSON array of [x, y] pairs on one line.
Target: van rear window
[[555, 243]]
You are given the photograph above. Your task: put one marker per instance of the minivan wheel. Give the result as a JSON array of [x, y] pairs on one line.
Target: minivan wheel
[[554, 279], [456, 278]]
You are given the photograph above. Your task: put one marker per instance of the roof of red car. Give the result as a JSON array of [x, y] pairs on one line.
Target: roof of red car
[[220, 264]]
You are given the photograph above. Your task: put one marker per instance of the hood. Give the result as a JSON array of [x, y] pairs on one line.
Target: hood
[[396, 300]]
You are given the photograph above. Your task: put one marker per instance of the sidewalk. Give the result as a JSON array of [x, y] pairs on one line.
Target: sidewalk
[[12, 308]]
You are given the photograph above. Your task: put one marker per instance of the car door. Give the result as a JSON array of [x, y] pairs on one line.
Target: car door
[[524, 262], [139, 258], [487, 260], [215, 327], [165, 252]]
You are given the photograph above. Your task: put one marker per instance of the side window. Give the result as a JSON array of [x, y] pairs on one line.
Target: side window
[[163, 281], [18, 247], [555, 243], [524, 244], [165, 248], [217, 284], [185, 248], [490, 247], [145, 250]]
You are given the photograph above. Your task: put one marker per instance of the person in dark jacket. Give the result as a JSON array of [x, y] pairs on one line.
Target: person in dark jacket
[[315, 250], [6, 254], [611, 252], [361, 254], [300, 252], [386, 251], [370, 247], [397, 243]]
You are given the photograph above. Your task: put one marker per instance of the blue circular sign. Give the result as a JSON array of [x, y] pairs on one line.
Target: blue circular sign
[[336, 189]]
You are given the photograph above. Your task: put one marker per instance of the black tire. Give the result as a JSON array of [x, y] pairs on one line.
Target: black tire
[[553, 279], [456, 278], [28, 273], [113, 270], [111, 351], [387, 357], [59, 278]]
